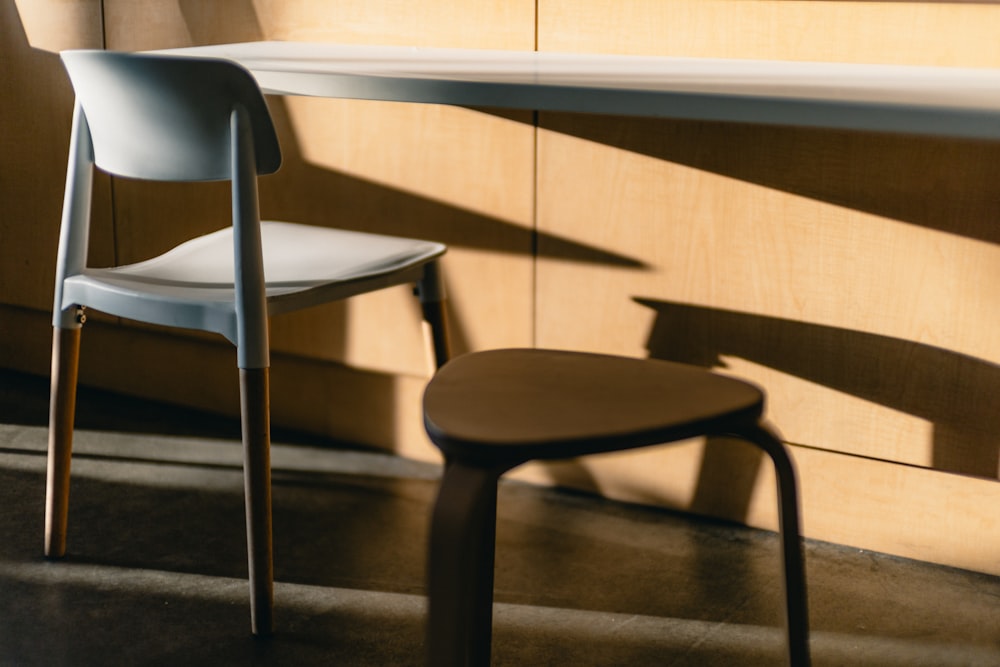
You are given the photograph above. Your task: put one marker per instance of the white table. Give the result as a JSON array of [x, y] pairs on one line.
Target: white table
[[887, 98]]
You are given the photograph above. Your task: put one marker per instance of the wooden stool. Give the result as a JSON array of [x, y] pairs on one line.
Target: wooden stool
[[491, 411]]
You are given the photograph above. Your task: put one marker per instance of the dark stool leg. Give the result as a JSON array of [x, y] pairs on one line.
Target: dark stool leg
[[796, 608], [460, 568]]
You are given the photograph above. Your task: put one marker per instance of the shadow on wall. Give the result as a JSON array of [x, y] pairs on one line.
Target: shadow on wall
[[221, 21], [901, 177], [957, 394], [303, 192]]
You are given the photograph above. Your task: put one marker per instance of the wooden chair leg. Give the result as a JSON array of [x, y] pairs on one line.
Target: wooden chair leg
[[796, 606], [255, 411], [62, 411], [430, 289], [460, 568]]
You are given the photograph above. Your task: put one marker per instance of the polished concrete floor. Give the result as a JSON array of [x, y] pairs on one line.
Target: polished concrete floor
[[156, 565]]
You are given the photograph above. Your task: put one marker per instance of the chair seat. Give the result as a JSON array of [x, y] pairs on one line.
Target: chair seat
[[522, 404], [304, 265]]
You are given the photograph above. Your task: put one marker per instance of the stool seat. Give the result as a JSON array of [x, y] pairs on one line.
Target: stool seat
[[527, 404], [489, 412]]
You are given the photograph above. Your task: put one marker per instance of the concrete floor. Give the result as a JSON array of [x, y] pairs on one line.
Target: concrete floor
[[155, 574]]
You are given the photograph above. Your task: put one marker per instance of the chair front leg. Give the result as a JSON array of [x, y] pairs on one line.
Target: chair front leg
[[796, 606], [62, 411], [460, 568], [255, 412]]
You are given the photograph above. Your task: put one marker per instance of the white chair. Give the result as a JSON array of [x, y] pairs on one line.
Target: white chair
[[184, 119]]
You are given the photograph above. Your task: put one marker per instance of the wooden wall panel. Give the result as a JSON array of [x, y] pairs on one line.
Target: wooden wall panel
[[54, 25], [449, 174], [166, 23], [352, 370], [454, 175], [462, 176], [875, 505], [34, 137], [843, 271], [779, 264], [939, 32], [307, 394]]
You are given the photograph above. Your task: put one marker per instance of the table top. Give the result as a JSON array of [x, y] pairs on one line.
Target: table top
[[959, 102]]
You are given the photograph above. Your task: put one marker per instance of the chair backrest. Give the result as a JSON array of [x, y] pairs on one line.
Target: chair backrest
[[166, 117]]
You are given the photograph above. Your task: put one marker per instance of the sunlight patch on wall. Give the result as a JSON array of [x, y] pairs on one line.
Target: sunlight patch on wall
[[55, 25]]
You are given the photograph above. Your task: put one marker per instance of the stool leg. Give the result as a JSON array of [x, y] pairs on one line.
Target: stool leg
[[460, 568], [254, 394], [62, 409], [796, 606]]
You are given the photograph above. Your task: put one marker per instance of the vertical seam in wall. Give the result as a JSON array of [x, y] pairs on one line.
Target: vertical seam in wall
[[536, 24], [534, 210], [104, 30], [534, 230]]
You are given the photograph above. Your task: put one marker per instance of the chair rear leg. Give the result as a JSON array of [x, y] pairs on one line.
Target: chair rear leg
[[255, 412], [62, 411], [796, 606], [431, 291], [460, 568]]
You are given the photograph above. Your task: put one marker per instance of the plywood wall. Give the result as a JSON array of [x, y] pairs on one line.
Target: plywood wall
[[34, 139], [848, 273], [461, 176], [452, 175]]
